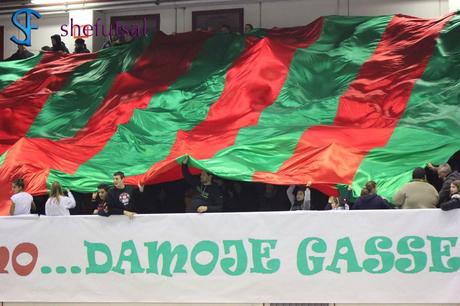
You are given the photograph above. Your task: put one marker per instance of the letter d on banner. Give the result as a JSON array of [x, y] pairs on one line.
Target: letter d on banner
[[27, 29], [93, 266]]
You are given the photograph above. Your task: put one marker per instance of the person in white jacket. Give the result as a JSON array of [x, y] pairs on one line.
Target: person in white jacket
[[302, 198], [58, 204]]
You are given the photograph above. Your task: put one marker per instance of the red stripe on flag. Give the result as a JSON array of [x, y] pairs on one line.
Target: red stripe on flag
[[368, 112], [22, 101], [252, 84]]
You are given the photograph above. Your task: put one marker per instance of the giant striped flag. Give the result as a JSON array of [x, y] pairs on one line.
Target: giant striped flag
[[337, 102]]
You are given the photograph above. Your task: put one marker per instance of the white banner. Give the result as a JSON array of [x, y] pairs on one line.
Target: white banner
[[395, 256]]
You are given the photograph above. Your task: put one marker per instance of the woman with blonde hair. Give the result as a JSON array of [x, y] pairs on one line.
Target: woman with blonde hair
[[58, 204], [340, 203]]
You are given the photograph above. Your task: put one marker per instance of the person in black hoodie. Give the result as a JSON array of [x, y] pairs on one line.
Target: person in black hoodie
[[80, 46], [122, 198], [99, 201], [209, 197], [273, 198], [369, 198], [58, 45], [454, 201], [22, 53]]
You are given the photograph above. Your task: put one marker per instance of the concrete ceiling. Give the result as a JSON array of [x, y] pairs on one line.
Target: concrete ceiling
[[7, 7]]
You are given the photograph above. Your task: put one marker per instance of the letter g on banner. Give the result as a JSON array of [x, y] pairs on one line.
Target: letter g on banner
[[28, 26]]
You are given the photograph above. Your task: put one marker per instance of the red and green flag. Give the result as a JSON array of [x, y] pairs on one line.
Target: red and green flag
[[340, 101]]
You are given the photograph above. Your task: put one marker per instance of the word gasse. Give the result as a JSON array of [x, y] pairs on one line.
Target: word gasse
[[22, 248], [233, 265], [410, 256]]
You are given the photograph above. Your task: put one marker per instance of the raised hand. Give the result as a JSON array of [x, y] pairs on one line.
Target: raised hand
[[202, 209], [141, 186], [185, 160]]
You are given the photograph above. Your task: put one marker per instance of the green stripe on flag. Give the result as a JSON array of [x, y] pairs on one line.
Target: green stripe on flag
[[429, 128], [3, 157], [318, 76], [11, 71], [149, 135], [69, 110]]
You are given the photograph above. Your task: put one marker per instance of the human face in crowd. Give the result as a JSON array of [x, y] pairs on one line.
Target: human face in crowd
[[16, 189], [247, 28], [442, 174], [205, 178], [333, 201], [102, 193], [118, 182], [453, 189], [300, 195]]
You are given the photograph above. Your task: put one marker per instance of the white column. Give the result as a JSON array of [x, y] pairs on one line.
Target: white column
[[454, 5], [80, 18], [343, 7]]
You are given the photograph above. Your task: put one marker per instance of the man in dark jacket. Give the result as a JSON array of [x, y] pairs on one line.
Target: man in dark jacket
[[122, 198], [448, 176], [58, 45], [273, 198], [22, 53], [209, 197]]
